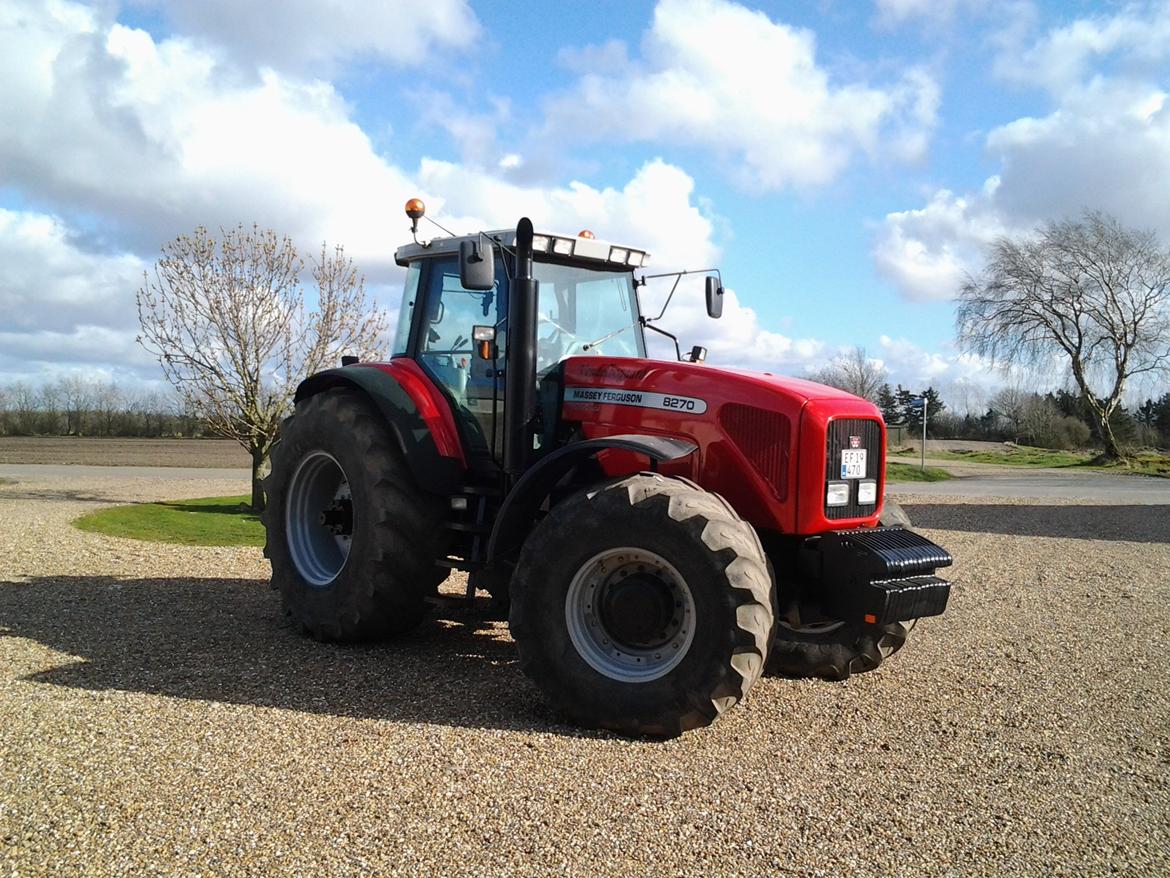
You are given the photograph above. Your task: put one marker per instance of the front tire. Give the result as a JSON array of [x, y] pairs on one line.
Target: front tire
[[351, 540], [837, 650], [642, 606], [834, 651]]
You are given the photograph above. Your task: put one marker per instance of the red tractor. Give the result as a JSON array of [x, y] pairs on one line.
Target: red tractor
[[659, 531]]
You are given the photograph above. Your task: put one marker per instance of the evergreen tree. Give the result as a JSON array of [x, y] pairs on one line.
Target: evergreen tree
[[889, 405]]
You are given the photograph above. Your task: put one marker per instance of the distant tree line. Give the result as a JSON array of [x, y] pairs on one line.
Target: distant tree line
[[1062, 419], [76, 406]]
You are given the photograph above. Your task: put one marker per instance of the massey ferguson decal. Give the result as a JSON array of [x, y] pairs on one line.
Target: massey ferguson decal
[[638, 398]]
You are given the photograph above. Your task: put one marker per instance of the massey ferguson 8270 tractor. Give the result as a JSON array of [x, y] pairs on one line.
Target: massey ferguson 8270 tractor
[[659, 531]]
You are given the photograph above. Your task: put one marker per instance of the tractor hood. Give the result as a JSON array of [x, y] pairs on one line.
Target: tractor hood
[[702, 388], [758, 435]]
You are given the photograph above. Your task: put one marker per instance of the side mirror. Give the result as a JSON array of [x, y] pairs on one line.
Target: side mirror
[[485, 341], [698, 354], [714, 297], [477, 264]]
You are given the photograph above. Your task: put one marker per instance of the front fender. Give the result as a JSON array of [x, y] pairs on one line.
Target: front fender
[[524, 500]]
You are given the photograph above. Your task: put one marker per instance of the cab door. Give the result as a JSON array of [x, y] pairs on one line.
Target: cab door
[[446, 351]]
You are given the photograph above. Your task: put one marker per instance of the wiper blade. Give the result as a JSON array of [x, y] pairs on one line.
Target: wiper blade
[[608, 336]]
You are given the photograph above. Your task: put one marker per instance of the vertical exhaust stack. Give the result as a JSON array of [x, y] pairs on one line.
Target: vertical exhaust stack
[[521, 357]]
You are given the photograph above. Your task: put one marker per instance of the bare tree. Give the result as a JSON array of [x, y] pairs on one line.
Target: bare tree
[[49, 405], [967, 397], [1010, 403], [228, 323], [855, 373], [25, 408], [77, 394], [108, 402], [1090, 292]]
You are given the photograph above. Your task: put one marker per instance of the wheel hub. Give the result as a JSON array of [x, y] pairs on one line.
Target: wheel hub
[[337, 518], [638, 610], [319, 519], [630, 614]]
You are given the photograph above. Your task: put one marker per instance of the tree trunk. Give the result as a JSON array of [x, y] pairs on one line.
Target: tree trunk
[[1112, 449], [258, 458]]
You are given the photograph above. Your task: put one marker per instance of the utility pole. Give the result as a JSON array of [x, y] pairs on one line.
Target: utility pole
[[925, 406], [921, 403]]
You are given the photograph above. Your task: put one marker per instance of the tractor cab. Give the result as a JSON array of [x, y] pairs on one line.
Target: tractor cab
[[587, 305]]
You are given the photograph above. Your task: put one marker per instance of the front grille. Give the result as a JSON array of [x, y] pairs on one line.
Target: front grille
[[762, 436], [871, 440]]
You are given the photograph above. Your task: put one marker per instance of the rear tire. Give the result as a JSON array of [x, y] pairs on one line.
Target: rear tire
[[642, 606], [368, 576]]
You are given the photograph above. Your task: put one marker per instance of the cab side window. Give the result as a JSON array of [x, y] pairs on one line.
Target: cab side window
[[446, 348]]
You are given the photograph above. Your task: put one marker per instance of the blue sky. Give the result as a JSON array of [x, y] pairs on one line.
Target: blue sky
[[844, 163]]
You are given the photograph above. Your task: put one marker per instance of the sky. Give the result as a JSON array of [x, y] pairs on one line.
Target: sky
[[845, 164]]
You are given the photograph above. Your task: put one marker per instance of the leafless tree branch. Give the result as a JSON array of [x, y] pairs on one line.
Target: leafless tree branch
[[1090, 292], [227, 320]]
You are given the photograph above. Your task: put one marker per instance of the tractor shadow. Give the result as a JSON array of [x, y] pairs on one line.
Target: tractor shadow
[[223, 640], [1139, 524], [15, 491]]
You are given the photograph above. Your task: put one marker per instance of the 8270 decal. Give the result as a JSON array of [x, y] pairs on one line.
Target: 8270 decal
[[638, 398]]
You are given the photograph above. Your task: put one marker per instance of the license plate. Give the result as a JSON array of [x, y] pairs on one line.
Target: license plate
[[853, 463]]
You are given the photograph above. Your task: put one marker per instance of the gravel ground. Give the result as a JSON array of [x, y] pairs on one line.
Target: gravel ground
[[157, 717]]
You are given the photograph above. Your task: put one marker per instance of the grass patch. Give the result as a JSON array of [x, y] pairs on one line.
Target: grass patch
[[904, 472], [1144, 463], [209, 521], [1020, 455], [4, 481], [1147, 463]]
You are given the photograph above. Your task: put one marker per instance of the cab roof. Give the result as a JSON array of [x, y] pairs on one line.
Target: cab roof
[[545, 247]]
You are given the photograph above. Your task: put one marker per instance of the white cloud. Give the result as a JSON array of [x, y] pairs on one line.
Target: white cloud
[[133, 140], [1107, 146], [654, 210], [50, 282], [1136, 39], [719, 76], [927, 253], [898, 11], [913, 366], [299, 34], [1104, 145], [104, 118], [100, 118]]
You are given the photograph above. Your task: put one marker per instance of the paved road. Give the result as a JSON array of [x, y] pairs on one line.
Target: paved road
[[1106, 488], [1041, 484]]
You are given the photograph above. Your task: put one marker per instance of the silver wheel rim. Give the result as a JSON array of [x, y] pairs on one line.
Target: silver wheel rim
[[598, 642], [318, 537]]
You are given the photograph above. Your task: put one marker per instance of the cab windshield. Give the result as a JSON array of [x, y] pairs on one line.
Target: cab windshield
[[585, 312]]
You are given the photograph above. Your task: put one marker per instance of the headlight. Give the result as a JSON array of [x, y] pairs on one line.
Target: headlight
[[837, 494], [867, 492]]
